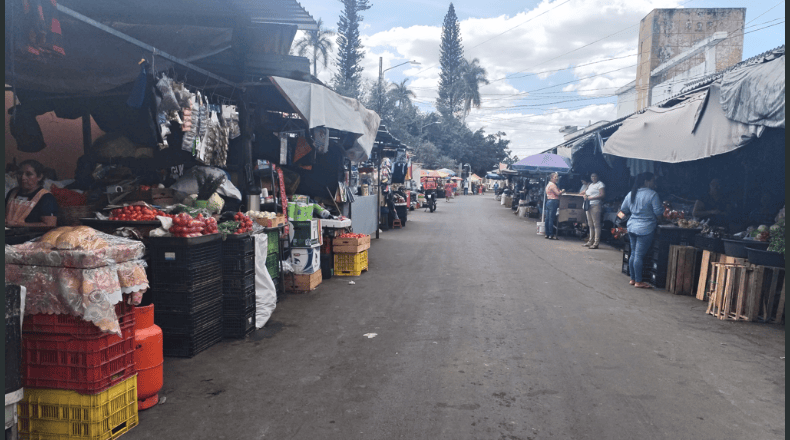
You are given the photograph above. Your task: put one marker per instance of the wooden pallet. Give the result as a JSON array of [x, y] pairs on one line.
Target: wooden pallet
[[708, 273], [747, 292], [682, 269]]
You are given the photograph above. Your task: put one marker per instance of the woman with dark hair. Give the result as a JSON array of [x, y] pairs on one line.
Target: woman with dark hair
[[30, 204], [553, 193], [644, 206]]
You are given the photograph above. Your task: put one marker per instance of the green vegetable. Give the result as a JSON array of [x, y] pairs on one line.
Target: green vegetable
[[228, 227], [777, 237]]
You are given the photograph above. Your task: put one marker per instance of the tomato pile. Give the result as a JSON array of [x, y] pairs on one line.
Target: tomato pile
[[350, 235], [186, 226], [245, 223], [136, 213]]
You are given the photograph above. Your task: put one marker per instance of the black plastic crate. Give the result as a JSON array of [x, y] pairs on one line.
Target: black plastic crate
[[180, 345], [185, 280], [238, 266], [238, 283], [190, 301], [176, 252], [237, 327], [646, 272], [188, 323], [238, 303], [657, 279], [13, 354], [709, 243], [238, 247]]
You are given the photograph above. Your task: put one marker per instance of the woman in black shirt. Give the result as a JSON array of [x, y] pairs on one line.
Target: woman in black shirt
[[30, 204]]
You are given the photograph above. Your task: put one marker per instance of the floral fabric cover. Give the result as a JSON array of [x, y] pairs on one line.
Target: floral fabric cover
[[32, 253], [87, 293]]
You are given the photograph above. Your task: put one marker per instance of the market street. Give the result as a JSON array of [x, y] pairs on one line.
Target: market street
[[484, 330]]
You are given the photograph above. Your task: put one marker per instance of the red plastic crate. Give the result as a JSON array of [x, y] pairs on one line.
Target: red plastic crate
[[78, 363], [72, 325]]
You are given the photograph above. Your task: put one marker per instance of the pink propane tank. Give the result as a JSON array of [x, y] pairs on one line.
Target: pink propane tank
[[148, 357]]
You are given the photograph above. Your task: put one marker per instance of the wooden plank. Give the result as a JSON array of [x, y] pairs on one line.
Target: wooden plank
[[712, 291], [754, 293], [690, 270], [780, 310], [721, 273], [729, 288], [743, 293], [770, 296], [671, 269], [702, 287]]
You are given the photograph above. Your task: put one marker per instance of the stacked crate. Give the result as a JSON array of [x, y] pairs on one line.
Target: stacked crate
[[68, 362], [273, 256], [13, 357], [656, 261], [186, 286], [305, 256], [238, 286], [351, 255]]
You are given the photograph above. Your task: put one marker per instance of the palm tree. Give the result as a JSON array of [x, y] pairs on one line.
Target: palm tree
[[472, 76], [401, 94], [320, 43]]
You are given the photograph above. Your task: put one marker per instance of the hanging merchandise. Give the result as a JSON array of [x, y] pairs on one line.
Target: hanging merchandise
[[304, 154], [189, 128], [400, 167], [321, 139], [39, 28], [283, 149], [231, 117], [137, 95]]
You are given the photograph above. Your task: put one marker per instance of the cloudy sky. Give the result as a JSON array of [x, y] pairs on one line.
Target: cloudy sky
[[551, 63]]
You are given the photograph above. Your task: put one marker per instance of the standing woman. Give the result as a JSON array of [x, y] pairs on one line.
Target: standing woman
[[448, 190], [30, 204], [645, 208], [594, 194], [552, 203]]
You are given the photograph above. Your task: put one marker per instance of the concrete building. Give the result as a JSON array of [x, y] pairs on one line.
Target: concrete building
[[677, 46]]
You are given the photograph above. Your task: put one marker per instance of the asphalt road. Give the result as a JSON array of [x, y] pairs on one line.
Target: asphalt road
[[484, 330]]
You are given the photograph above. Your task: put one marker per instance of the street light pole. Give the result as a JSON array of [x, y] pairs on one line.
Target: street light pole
[[381, 79]]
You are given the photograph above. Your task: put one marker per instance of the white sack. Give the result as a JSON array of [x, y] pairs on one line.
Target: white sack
[[265, 291]]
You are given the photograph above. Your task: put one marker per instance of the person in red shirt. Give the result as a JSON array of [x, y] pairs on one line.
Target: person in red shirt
[[448, 190]]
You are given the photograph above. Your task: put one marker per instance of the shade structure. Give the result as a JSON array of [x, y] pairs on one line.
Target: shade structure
[[322, 107], [492, 176], [447, 171], [429, 173], [542, 163], [475, 178]]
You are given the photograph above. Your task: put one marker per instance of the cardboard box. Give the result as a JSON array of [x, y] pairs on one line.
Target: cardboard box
[[303, 283], [571, 201], [271, 222], [306, 261], [572, 215], [350, 249], [305, 234]]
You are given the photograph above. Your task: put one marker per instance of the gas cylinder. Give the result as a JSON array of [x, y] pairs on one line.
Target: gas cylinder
[[148, 357]]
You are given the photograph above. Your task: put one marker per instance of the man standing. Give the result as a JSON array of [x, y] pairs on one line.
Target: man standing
[[466, 187]]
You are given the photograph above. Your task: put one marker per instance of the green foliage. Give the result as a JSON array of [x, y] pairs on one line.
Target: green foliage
[[778, 237], [347, 81], [472, 76], [317, 41], [451, 60]]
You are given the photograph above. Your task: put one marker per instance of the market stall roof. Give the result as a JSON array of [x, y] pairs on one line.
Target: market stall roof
[[693, 129], [321, 107], [493, 176], [475, 178], [447, 171], [542, 163]]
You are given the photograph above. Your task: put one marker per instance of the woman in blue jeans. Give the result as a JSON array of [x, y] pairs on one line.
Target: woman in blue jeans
[[645, 208], [552, 203]]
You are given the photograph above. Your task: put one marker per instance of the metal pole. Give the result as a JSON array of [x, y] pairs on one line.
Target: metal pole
[[378, 198], [381, 78]]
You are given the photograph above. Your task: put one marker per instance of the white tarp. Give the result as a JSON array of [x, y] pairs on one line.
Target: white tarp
[[324, 108], [755, 94], [265, 290], [693, 129]]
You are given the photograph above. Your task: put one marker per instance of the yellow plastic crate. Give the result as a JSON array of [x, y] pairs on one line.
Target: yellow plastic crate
[[351, 265], [49, 414]]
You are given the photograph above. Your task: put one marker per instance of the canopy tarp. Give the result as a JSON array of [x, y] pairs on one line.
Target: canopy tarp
[[429, 173], [447, 171], [475, 178], [542, 163], [756, 94], [492, 176], [321, 107], [695, 128]]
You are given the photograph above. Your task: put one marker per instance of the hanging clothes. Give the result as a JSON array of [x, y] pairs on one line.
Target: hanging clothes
[[39, 30]]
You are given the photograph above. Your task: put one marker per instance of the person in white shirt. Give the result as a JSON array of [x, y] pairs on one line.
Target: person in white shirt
[[594, 194]]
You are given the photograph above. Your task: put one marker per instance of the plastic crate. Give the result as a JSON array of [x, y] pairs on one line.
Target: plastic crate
[[658, 279], [184, 280], [61, 414], [709, 243], [72, 325], [85, 365], [273, 265], [175, 252], [351, 264], [238, 283], [188, 301], [13, 355], [188, 323], [181, 345], [238, 266], [273, 242], [236, 303], [238, 247], [239, 326]]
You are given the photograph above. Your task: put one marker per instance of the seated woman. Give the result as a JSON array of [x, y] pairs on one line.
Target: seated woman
[[30, 204]]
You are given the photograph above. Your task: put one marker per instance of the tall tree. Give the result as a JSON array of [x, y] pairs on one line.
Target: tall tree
[[401, 94], [318, 41], [350, 53], [472, 76], [451, 59]]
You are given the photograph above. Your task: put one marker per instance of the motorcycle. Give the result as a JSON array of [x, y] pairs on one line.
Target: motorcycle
[[430, 200]]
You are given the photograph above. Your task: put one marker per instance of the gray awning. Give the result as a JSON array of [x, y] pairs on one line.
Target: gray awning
[[695, 128], [756, 94], [321, 107]]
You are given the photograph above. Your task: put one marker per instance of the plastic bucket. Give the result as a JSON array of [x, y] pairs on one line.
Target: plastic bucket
[[541, 228]]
